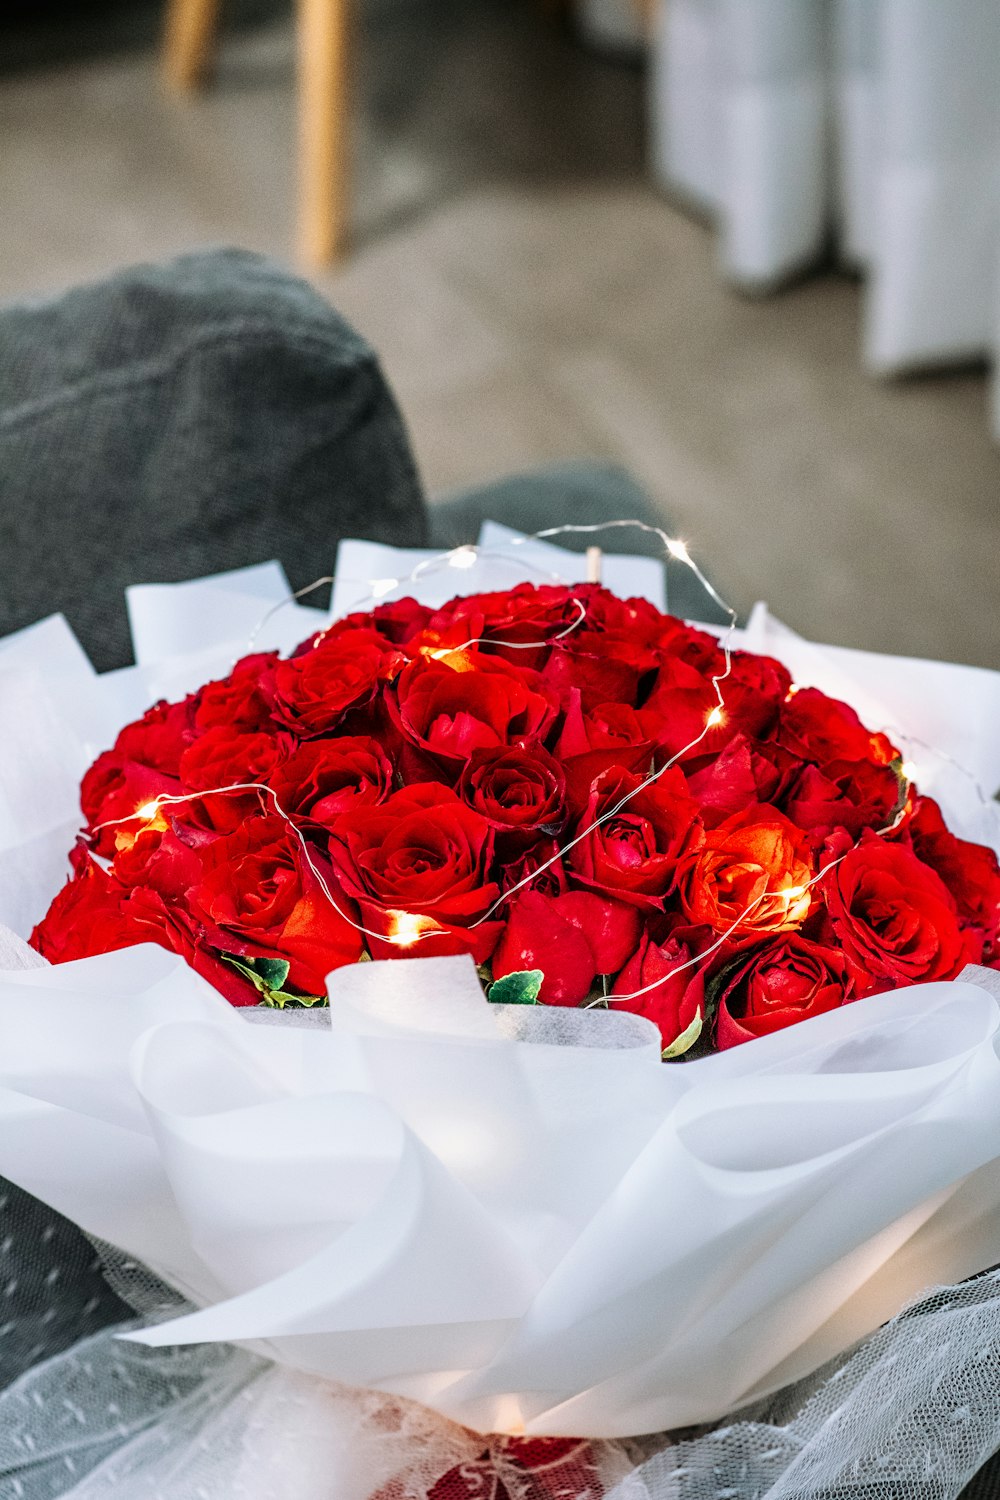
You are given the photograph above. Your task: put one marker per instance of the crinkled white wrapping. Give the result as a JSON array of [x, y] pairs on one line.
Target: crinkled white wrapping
[[516, 1216]]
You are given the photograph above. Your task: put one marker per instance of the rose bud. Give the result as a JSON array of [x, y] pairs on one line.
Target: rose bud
[[418, 866], [572, 938], [312, 692], [518, 792], [323, 779], [467, 701], [893, 916], [259, 897], [751, 875], [823, 729], [676, 1002], [635, 854], [776, 984]]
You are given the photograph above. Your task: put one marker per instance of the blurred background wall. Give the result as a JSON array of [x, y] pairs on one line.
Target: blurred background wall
[[536, 289]]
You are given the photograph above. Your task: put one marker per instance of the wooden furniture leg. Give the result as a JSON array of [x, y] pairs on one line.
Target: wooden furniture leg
[[189, 41], [324, 28]]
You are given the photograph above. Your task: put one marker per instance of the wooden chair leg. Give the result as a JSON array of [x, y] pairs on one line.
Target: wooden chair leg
[[324, 28], [189, 41]]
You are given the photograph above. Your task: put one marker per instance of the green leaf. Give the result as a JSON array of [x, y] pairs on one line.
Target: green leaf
[[685, 1041], [268, 976], [519, 988]]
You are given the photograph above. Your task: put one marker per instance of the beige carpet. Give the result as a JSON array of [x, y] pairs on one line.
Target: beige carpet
[[533, 299]]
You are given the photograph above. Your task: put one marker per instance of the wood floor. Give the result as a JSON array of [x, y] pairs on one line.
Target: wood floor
[[533, 299]]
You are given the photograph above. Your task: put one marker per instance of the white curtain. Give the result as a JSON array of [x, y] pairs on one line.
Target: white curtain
[[878, 119]]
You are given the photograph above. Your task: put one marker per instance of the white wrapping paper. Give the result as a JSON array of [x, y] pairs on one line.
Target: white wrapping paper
[[517, 1216]]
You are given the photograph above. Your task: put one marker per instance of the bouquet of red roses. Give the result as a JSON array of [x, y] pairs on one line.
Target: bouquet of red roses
[[439, 1218], [603, 805]]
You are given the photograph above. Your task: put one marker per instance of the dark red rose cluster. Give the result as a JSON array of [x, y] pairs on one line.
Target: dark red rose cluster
[[476, 779]]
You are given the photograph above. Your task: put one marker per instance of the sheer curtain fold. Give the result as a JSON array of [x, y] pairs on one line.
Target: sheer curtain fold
[[876, 121]]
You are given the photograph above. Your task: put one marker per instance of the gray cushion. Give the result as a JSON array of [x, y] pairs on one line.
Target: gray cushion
[[181, 419]]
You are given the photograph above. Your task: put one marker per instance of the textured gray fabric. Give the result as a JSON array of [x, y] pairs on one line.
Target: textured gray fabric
[[582, 493], [181, 419], [48, 1272]]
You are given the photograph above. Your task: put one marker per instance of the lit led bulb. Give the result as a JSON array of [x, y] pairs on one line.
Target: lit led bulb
[[796, 901], [462, 557], [714, 718], [147, 812], [406, 928], [908, 770], [678, 550]]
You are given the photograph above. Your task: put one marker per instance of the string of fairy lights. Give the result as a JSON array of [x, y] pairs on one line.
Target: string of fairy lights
[[791, 902]]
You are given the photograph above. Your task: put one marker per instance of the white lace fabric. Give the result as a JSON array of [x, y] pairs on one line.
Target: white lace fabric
[[911, 1414]]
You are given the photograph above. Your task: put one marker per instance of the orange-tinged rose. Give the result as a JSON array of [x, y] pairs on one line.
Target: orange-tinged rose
[[751, 875]]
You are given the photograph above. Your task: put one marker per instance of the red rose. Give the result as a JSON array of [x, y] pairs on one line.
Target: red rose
[[322, 779], [466, 701], [98, 913], [510, 623], [419, 864], [158, 858], [541, 864], [517, 791], [893, 917], [260, 898], [683, 714], [677, 999], [312, 692], [611, 735], [777, 984], [519, 1469], [852, 795], [601, 667], [222, 757], [696, 647], [823, 729], [399, 620], [86, 916], [572, 938], [237, 702], [970, 871], [635, 853], [751, 875], [113, 790], [744, 772], [160, 737]]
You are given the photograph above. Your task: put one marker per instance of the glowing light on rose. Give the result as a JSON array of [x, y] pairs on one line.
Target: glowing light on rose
[[406, 928]]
